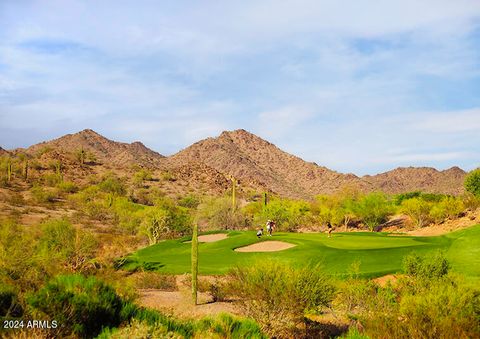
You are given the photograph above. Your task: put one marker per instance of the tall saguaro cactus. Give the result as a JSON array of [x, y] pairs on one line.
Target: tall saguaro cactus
[[194, 263], [58, 169], [234, 194], [265, 199], [9, 170], [25, 169]]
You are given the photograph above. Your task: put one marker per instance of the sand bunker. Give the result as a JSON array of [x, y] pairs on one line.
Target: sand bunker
[[211, 237], [266, 246]]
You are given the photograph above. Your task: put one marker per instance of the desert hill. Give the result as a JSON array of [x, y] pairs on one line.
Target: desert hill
[[427, 179], [207, 165], [106, 151], [252, 159]]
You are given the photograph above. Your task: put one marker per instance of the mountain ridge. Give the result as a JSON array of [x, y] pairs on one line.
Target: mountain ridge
[[256, 162]]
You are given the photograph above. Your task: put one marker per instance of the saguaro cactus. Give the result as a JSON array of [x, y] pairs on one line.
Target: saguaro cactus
[[194, 263], [234, 193], [9, 170], [265, 199], [25, 169], [58, 169]]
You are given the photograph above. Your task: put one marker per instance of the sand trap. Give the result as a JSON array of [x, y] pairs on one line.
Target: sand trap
[[266, 246], [211, 237]]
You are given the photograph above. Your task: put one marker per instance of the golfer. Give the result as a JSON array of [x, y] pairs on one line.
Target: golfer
[[259, 233], [330, 229]]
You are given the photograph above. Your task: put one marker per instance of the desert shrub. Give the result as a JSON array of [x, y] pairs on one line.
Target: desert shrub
[[42, 195], [228, 326], [141, 176], [278, 295], [472, 182], [399, 198], [9, 304], [373, 209], [165, 220], [448, 207], [127, 215], [426, 267], [189, 201], [70, 247], [112, 184], [139, 329], [155, 280], [470, 201], [51, 179], [67, 187], [81, 306], [219, 214], [417, 209], [287, 214]]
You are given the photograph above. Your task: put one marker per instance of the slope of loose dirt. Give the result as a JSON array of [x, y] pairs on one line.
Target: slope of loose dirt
[[266, 246]]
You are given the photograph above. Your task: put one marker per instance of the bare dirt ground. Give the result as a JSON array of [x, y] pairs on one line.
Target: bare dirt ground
[[211, 237], [266, 246], [179, 303], [384, 280], [448, 226]]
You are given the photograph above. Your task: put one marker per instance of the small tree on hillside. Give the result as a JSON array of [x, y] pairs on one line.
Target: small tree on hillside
[[373, 209], [472, 182], [417, 209]]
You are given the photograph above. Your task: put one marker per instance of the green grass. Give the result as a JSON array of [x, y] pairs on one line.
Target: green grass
[[378, 253]]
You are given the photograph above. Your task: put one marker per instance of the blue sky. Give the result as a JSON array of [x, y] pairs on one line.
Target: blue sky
[[357, 86]]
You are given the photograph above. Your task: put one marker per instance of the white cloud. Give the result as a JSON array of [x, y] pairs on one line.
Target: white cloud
[[449, 122]]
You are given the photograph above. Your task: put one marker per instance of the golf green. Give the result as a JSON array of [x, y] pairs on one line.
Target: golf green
[[377, 253]]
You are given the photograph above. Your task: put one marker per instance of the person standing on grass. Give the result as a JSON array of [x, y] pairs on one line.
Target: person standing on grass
[[330, 229], [269, 228]]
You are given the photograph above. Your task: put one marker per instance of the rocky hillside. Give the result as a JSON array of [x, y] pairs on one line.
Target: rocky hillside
[[105, 151], [254, 160], [427, 179], [207, 165]]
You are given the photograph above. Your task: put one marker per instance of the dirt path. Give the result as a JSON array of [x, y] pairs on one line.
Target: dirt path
[[266, 246]]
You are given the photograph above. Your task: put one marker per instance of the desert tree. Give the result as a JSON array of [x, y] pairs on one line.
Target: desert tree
[[472, 182]]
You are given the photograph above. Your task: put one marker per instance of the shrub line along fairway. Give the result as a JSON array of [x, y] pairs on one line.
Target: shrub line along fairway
[[377, 253]]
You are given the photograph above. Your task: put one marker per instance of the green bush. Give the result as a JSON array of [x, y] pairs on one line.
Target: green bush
[[278, 295], [373, 209], [426, 267], [228, 326], [417, 209], [41, 195], [82, 306], [67, 187], [218, 214], [472, 182], [112, 184], [165, 220], [63, 244]]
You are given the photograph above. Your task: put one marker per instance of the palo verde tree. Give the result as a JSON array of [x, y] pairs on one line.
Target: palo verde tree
[[472, 182]]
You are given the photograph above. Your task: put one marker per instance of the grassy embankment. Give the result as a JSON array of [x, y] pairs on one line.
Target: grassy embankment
[[377, 253]]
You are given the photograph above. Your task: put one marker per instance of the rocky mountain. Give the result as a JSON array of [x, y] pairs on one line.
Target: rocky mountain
[[427, 179], [254, 160], [207, 165], [106, 151], [3, 152]]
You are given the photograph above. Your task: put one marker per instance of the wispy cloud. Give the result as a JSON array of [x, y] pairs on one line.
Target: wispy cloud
[[333, 82]]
